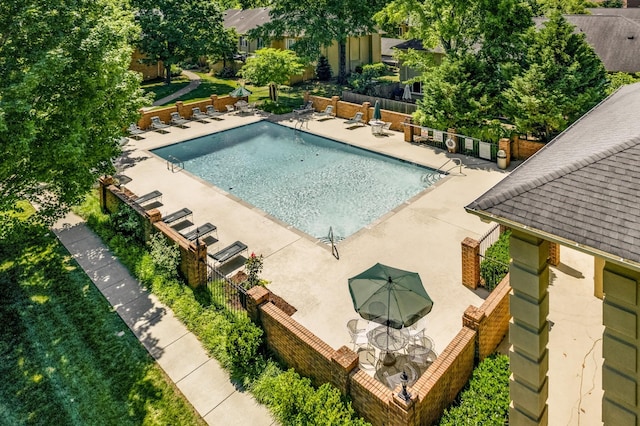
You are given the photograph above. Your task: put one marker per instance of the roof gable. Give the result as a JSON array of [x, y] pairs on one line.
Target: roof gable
[[244, 20]]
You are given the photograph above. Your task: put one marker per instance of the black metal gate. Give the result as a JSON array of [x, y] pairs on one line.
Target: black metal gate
[[225, 292]]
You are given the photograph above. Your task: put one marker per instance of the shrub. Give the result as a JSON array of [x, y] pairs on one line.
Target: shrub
[[323, 69], [128, 223], [164, 254], [226, 72], [364, 82], [175, 70], [243, 343], [495, 264], [485, 400], [254, 265]]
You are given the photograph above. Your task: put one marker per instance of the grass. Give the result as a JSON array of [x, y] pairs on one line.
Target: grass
[[67, 357]]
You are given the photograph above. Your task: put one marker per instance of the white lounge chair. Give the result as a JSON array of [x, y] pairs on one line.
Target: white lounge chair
[[356, 120], [213, 113], [159, 125], [135, 131], [178, 120], [198, 115], [304, 109], [326, 114]]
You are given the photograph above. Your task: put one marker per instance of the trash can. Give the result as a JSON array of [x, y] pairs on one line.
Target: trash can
[[502, 159]]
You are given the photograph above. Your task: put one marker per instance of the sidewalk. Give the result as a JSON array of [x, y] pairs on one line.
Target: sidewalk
[[193, 84], [200, 378]]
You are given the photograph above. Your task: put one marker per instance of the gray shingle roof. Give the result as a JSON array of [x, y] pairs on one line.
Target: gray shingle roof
[[614, 38], [245, 20], [584, 186]]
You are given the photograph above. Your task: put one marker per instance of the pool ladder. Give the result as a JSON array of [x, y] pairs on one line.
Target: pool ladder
[[174, 164], [334, 249], [456, 163]]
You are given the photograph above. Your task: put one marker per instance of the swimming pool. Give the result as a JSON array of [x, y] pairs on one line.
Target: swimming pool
[[307, 181]]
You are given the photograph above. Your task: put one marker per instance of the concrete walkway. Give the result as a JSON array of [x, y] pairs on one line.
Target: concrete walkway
[[193, 84], [200, 378]]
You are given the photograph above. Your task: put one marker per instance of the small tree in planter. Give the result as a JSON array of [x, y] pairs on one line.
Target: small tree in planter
[[253, 266]]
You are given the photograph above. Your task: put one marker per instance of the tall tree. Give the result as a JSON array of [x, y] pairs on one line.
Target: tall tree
[[564, 78], [176, 30], [320, 23], [66, 95], [271, 67]]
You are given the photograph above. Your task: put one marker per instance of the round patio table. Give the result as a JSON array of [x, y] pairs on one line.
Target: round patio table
[[388, 340]]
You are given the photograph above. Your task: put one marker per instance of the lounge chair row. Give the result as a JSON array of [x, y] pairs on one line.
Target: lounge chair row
[[177, 120]]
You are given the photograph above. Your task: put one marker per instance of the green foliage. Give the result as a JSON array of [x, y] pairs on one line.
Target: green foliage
[[175, 70], [485, 400], [494, 270], [254, 265], [365, 81], [317, 24], [323, 69], [619, 79], [66, 95], [67, 357], [178, 30], [294, 401], [164, 254], [271, 67], [243, 343], [128, 223], [563, 79]]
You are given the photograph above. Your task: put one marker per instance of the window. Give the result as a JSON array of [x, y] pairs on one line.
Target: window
[[260, 43], [416, 87], [290, 42], [244, 43]]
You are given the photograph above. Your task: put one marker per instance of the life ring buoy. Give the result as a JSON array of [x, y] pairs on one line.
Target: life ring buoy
[[450, 143]]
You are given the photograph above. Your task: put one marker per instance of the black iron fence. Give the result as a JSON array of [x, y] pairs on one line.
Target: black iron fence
[[492, 271], [225, 292], [489, 238]]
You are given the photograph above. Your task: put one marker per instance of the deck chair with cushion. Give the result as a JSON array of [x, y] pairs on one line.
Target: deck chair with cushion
[[159, 125], [198, 115], [177, 216], [151, 196], [228, 252], [385, 128], [304, 109], [214, 113], [178, 120], [135, 131], [356, 120], [200, 232], [326, 114]]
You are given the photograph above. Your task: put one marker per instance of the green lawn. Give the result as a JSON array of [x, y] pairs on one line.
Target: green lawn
[[66, 357]]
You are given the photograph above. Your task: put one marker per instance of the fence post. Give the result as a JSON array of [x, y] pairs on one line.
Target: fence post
[[470, 263], [105, 182], [365, 110], [505, 145], [334, 102], [256, 296], [408, 130]]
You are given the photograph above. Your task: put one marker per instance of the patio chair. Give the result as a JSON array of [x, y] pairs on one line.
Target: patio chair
[[356, 120], [228, 252], [212, 112], [159, 125], [178, 120], [151, 196], [415, 333], [200, 232], [304, 109], [367, 358], [198, 115], [230, 108], [385, 128], [135, 131], [177, 216], [358, 332], [326, 114]]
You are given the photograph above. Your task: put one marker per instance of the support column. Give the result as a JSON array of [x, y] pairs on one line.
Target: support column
[[598, 269], [470, 263], [529, 330], [620, 370]]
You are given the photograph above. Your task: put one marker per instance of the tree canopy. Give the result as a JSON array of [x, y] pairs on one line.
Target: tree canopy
[[320, 23], [271, 67], [66, 95], [176, 30]]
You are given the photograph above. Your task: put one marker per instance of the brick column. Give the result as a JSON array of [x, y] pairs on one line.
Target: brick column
[[505, 145], [529, 330], [196, 264], [105, 182], [365, 111], [620, 371], [182, 110], [214, 102], [408, 130], [256, 296], [343, 362], [334, 102], [470, 263], [554, 254]]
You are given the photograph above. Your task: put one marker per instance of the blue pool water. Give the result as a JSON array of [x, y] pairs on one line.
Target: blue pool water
[[305, 180]]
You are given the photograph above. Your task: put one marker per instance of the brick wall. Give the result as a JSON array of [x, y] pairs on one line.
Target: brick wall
[[521, 149], [491, 319], [347, 110]]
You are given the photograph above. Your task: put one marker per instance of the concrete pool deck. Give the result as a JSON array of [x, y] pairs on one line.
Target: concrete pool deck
[[422, 235]]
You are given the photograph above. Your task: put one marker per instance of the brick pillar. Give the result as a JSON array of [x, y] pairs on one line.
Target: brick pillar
[[620, 370], [554, 254], [181, 109], [365, 109], [256, 296], [305, 96], [196, 264], [334, 102], [151, 216], [408, 130], [343, 362], [401, 412], [470, 263], [105, 182], [505, 145], [529, 330], [214, 102]]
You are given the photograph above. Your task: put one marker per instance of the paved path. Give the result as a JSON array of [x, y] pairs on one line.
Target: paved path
[[195, 82], [200, 378]]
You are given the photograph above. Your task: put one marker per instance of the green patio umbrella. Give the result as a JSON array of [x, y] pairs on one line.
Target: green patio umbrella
[[239, 92], [377, 115], [389, 296]]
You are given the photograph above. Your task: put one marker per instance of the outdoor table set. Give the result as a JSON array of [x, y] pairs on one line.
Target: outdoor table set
[[393, 301]]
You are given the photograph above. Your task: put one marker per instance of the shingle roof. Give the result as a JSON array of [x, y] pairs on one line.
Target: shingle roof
[[245, 20], [584, 186], [632, 13], [614, 38]]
